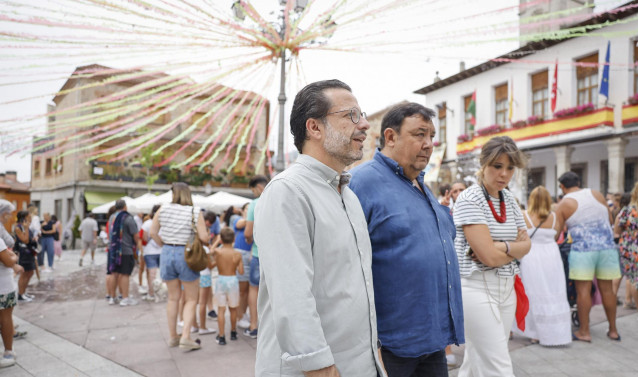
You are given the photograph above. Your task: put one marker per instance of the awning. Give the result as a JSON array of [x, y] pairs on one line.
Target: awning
[[96, 198]]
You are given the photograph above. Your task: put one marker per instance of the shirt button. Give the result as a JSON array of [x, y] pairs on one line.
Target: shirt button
[[443, 241], [448, 262], [450, 286]]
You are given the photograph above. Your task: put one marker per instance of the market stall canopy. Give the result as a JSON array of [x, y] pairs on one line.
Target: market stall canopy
[[99, 198], [220, 201], [104, 208], [146, 202]]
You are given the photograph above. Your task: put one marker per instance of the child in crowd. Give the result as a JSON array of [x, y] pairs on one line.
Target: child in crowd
[[205, 297], [229, 262]]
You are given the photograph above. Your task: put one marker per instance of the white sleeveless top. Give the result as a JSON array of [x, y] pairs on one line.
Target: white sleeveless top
[[589, 224], [542, 235], [175, 223]]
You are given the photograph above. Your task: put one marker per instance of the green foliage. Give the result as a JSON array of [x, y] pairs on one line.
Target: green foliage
[[76, 227]]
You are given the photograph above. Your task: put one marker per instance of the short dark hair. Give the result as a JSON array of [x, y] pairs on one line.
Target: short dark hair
[[227, 235], [91, 215], [395, 116], [120, 204], [210, 217], [311, 102], [256, 180], [569, 179]]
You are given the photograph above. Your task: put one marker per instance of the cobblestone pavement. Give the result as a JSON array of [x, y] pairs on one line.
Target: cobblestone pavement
[[74, 332]]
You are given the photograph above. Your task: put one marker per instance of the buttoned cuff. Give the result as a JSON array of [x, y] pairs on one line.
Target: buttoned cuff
[[310, 361]]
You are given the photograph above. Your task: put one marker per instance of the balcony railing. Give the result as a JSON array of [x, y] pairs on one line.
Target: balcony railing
[[601, 117]]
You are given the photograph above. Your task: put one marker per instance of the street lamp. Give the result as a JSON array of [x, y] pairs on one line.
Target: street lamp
[[299, 7]]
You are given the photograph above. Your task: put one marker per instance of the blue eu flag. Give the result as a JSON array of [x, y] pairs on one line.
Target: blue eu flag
[[604, 83]]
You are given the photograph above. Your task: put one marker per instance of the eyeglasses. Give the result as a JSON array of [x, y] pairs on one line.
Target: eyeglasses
[[355, 114]]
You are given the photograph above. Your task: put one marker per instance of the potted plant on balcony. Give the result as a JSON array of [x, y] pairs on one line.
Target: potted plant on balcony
[[519, 124], [436, 144], [534, 119], [493, 129], [633, 100], [576, 110], [462, 138]]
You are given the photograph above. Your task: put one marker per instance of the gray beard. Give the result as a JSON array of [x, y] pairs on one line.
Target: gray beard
[[337, 145]]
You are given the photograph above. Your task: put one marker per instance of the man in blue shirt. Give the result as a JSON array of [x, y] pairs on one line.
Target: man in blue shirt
[[417, 286]]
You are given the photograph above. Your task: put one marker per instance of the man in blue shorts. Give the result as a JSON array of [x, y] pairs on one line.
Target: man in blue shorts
[[593, 252]]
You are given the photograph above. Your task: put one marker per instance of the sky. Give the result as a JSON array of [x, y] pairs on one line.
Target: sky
[[395, 52]]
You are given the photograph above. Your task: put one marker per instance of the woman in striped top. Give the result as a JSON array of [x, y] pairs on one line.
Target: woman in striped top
[[490, 235], [172, 230]]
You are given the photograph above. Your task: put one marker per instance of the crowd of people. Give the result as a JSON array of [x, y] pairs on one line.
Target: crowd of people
[[363, 273]]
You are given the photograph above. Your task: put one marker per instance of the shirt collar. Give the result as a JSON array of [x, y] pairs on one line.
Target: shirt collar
[[328, 174], [394, 166]]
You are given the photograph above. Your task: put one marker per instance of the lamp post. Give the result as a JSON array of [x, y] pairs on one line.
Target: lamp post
[[300, 6]]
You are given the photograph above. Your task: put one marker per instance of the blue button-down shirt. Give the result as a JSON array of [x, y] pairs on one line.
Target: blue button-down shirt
[[417, 286]]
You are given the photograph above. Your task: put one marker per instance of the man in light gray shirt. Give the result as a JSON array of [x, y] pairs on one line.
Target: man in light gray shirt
[[316, 300], [88, 231]]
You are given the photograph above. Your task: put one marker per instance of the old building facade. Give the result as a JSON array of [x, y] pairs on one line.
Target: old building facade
[[593, 135], [72, 184]]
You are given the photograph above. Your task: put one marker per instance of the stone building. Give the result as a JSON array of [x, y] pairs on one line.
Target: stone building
[[73, 184]]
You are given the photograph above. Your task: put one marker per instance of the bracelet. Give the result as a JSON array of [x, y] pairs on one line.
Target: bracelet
[[507, 247]]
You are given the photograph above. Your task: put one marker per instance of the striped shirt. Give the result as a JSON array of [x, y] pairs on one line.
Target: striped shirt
[[176, 223], [472, 208]]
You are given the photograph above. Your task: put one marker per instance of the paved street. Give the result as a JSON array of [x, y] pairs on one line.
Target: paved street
[[73, 332]]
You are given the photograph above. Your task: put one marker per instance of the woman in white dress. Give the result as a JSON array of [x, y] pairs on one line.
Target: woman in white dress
[[548, 319]]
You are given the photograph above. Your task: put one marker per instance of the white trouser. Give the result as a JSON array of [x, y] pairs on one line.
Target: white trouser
[[489, 306]]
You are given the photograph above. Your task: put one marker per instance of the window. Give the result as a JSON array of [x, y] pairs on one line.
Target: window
[[468, 128], [500, 105], [604, 173], [535, 177], [69, 208], [442, 122], [581, 170], [58, 208], [160, 117], [631, 172], [587, 80], [59, 162], [540, 97], [36, 168], [48, 167]]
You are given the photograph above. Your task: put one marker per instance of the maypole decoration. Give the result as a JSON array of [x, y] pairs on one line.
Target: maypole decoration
[[187, 85]]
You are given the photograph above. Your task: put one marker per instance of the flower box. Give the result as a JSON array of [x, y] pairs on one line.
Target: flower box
[[463, 138], [436, 144], [534, 119], [633, 100], [519, 124], [493, 129], [582, 109]]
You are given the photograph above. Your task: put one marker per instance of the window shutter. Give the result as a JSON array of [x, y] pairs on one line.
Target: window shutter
[[442, 110], [540, 81], [468, 99], [500, 93], [587, 71]]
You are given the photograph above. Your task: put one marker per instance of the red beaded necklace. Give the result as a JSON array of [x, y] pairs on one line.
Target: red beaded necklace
[[503, 216]]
